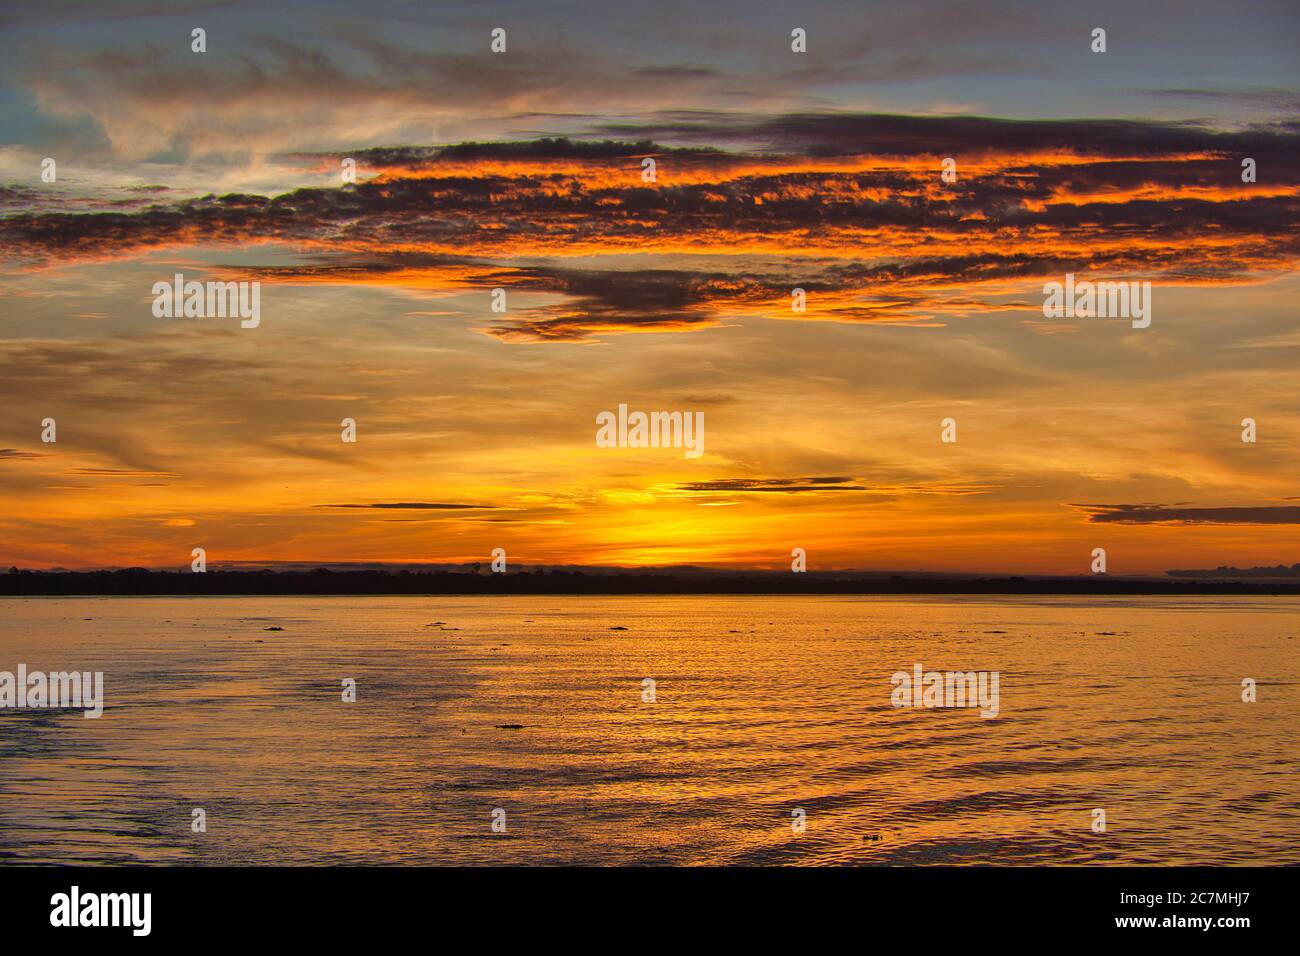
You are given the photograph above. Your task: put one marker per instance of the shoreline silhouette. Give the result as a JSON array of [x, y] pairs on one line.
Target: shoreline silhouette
[[324, 581]]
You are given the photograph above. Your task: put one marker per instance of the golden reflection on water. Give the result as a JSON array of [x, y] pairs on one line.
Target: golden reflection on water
[[763, 705]]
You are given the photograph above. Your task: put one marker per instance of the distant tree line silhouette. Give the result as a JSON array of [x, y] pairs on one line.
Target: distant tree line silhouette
[[143, 581]]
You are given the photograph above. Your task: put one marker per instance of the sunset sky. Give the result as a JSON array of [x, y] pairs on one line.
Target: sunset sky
[[775, 170]]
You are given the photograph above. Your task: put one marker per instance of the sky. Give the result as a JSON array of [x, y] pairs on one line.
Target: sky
[[774, 170]]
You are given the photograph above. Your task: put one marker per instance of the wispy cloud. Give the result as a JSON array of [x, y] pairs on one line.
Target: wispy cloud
[[1161, 514], [411, 506]]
